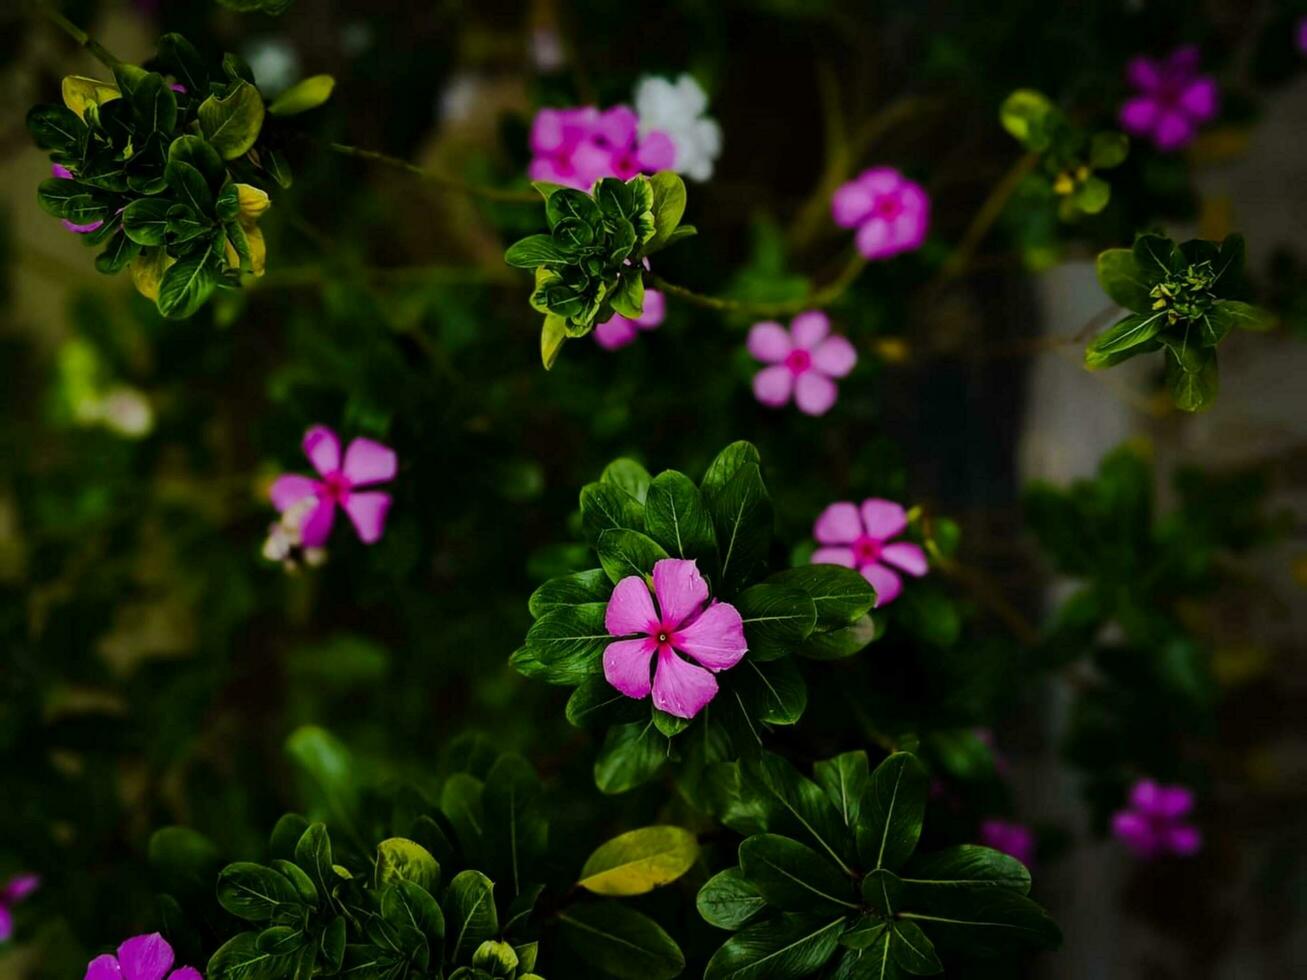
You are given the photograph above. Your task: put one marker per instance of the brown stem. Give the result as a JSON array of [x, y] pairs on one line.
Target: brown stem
[[442, 180], [812, 301]]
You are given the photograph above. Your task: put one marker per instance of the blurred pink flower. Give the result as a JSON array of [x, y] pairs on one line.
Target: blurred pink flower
[[860, 537], [619, 331], [147, 957], [576, 147], [684, 622], [1153, 824], [15, 890], [1302, 35], [803, 362], [366, 463], [1173, 100], [890, 212], [1010, 837]]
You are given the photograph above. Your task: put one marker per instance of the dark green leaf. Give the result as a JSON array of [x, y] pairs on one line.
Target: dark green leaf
[[470, 916], [726, 465], [786, 948], [968, 866], [1191, 375], [569, 642], [631, 755], [1127, 333], [676, 516], [795, 878], [400, 859], [254, 892], [605, 506], [56, 127], [844, 778], [1122, 279], [154, 106], [1157, 257], [190, 186], [1227, 314], [728, 901], [408, 904], [979, 922], [913, 950], [179, 57], [742, 520], [777, 620], [185, 286], [841, 595], [596, 703], [624, 552], [797, 807], [576, 589], [620, 941], [892, 811], [313, 855], [775, 690], [535, 250], [839, 643], [117, 254], [146, 220], [516, 829]]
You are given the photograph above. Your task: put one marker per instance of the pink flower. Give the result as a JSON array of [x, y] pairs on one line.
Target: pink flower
[[890, 212], [1302, 35], [619, 331], [61, 172], [366, 463], [803, 362], [139, 958], [1173, 100], [1152, 825], [861, 538], [15, 890], [685, 622], [576, 147], [1012, 838]]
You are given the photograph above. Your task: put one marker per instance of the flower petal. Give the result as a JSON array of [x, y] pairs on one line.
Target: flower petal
[[839, 523], [369, 462], [907, 556], [1134, 831], [773, 386], [290, 488], [655, 309], [1174, 130], [6, 924], [1143, 73], [1183, 839], [630, 608], [716, 638], [317, 528], [615, 333], [808, 329], [626, 664], [833, 556], [679, 687], [680, 589], [814, 393], [657, 151], [104, 967], [769, 342], [886, 583], [835, 356], [185, 973], [1139, 115], [323, 449], [145, 957], [368, 513], [874, 240], [851, 204], [883, 519], [1201, 99], [18, 888]]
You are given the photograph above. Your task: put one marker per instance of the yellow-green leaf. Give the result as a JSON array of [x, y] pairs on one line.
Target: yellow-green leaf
[[232, 124], [303, 96], [551, 339], [400, 859], [639, 861], [79, 92]]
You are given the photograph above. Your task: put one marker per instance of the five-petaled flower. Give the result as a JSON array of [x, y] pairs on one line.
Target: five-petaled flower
[[15, 890], [1010, 837], [147, 957], [1173, 100], [860, 537], [890, 212], [803, 362], [366, 463], [619, 331], [1153, 823], [576, 147], [684, 622]]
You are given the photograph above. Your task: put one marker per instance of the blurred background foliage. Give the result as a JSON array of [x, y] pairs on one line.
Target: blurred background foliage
[[153, 665]]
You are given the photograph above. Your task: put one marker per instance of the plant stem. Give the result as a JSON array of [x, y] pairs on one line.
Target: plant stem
[[812, 301], [101, 53], [443, 180], [984, 220]]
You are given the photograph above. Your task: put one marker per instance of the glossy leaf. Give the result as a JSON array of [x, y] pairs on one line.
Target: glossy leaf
[[639, 861]]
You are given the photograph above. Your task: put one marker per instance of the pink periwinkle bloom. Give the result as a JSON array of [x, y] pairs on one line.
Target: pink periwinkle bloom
[[576, 147], [1173, 100], [890, 212], [1153, 823], [684, 624], [1302, 35], [147, 957], [803, 362], [862, 538], [61, 172], [1015, 839], [15, 890], [366, 463], [619, 331]]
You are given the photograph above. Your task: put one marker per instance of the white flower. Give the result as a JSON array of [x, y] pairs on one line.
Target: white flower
[[275, 64], [677, 109]]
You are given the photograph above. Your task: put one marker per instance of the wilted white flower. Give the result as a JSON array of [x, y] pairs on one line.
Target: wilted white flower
[[275, 64], [677, 109], [127, 412]]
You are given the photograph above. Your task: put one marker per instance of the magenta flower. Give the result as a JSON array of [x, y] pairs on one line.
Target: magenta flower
[[1173, 100], [576, 147], [890, 212], [1010, 837], [366, 463], [146, 957], [803, 362], [63, 173], [861, 538], [1302, 35], [15, 890], [685, 622], [619, 331], [1152, 824]]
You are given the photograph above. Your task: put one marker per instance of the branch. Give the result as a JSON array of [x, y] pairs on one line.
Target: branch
[[101, 53], [984, 220], [812, 301], [442, 180]]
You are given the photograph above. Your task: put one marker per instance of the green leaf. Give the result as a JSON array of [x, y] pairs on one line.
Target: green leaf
[[628, 297], [676, 516], [968, 866], [605, 506], [1092, 195], [185, 286], [1127, 333], [154, 106], [1025, 114], [631, 754], [1192, 376], [1227, 314], [190, 186], [979, 922], [333, 942], [184, 860], [595, 703], [117, 254], [313, 855], [327, 763], [570, 203], [1157, 257], [280, 940], [797, 806], [145, 221], [576, 589], [841, 595], [728, 901], [620, 941], [516, 828], [569, 642], [232, 123], [203, 157], [668, 207], [240, 958], [254, 892], [406, 903], [179, 57], [913, 950], [303, 96], [795, 878], [304, 886], [627, 474], [844, 779], [777, 620], [462, 803], [786, 948], [727, 463], [536, 250], [57, 128], [1108, 149], [184, 225], [892, 811], [742, 521], [840, 643], [285, 835], [400, 859], [774, 689], [470, 916], [70, 200], [624, 552], [639, 861]]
